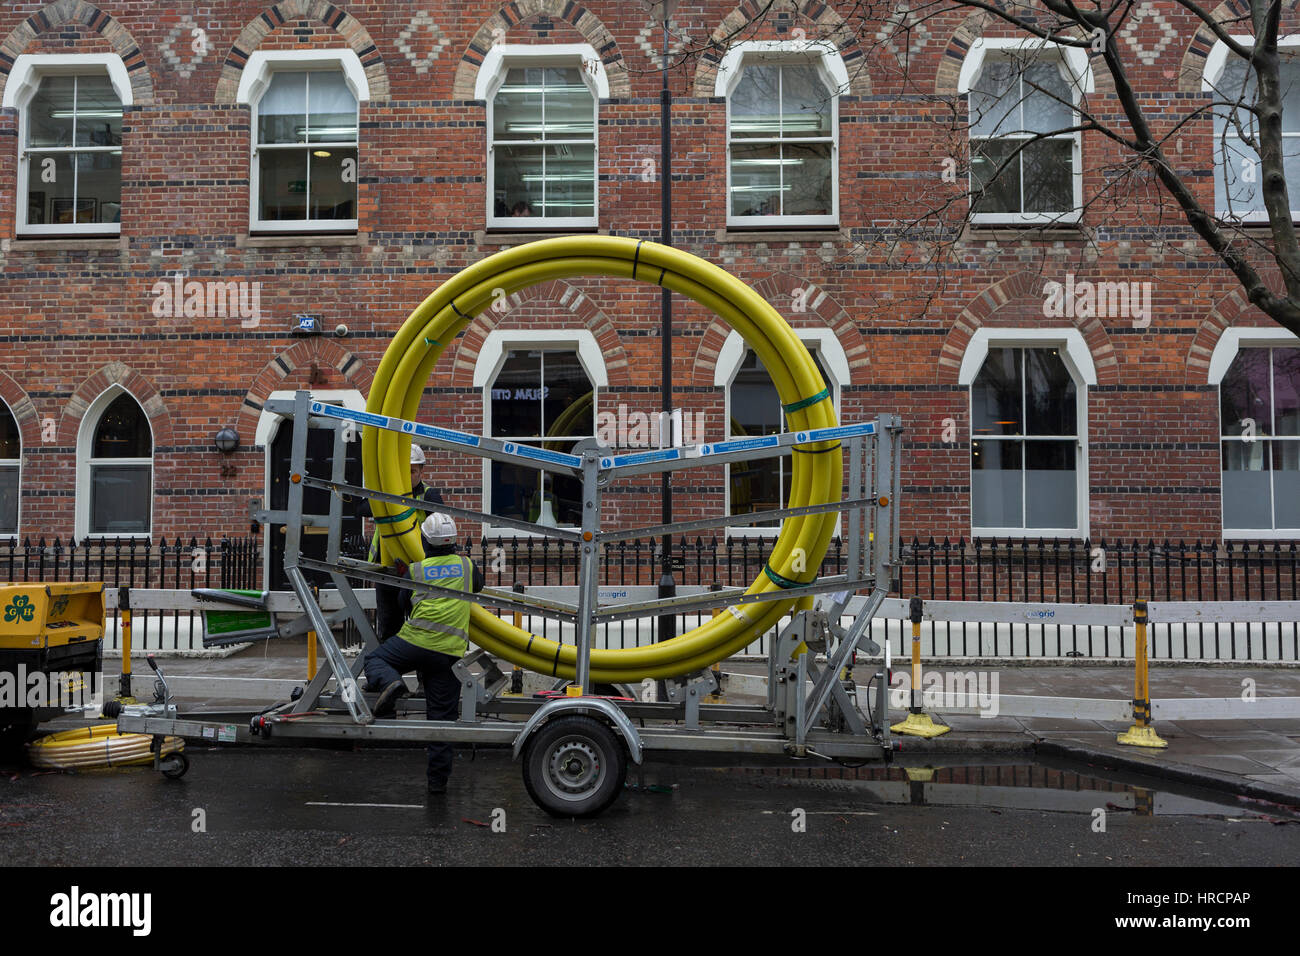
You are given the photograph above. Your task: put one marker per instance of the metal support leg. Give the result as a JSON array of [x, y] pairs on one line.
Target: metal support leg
[[588, 564]]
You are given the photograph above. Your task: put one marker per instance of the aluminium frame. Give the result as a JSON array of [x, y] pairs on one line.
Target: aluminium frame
[[810, 711]]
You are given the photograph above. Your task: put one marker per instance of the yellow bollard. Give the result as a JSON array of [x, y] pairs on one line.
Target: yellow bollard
[[124, 686], [1142, 733], [918, 723]]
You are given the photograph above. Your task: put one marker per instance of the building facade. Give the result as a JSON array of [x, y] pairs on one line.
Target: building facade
[[180, 182]]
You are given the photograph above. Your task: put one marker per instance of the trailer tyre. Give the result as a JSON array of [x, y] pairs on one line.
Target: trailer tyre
[[175, 765], [574, 766]]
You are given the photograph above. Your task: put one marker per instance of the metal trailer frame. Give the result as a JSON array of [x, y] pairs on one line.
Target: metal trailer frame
[[811, 710]]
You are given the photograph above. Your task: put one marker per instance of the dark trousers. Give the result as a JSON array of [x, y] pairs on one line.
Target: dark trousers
[[394, 658], [389, 614]]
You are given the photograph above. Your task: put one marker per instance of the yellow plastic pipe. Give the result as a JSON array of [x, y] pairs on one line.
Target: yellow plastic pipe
[[408, 363]]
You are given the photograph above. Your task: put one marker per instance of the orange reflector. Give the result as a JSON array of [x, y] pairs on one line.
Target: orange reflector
[[586, 536], [296, 479], [884, 500]]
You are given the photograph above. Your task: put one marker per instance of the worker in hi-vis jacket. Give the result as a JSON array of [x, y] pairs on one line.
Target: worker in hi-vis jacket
[[434, 637], [388, 599]]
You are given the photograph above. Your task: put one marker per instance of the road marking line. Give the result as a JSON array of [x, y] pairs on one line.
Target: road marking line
[[830, 813], [390, 806]]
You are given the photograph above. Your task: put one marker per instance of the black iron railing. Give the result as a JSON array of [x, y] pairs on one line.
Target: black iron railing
[[1043, 571]]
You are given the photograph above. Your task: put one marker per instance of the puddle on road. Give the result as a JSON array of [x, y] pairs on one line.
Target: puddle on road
[[1026, 786]]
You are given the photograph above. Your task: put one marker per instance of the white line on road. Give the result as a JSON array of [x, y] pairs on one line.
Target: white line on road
[[390, 806], [830, 813]]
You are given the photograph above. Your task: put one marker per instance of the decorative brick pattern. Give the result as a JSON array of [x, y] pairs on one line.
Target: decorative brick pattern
[[1146, 17], [183, 35], [422, 41]]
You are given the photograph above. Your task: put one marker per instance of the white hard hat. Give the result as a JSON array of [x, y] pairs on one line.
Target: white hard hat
[[438, 528], [417, 454]]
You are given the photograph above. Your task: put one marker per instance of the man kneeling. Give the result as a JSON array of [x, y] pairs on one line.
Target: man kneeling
[[434, 637]]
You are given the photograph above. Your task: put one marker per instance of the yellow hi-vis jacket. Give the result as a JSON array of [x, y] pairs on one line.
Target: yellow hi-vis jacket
[[441, 623]]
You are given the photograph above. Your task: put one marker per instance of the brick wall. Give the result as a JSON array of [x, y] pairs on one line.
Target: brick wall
[[76, 317]]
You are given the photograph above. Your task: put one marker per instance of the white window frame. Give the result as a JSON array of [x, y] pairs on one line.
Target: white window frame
[[85, 444], [1221, 359], [834, 361], [1077, 358], [10, 462], [492, 357], [1215, 63], [253, 83], [830, 67], [24, 80], [492, 76], [1075, 69]]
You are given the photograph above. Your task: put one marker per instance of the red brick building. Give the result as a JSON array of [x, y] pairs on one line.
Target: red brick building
[[179, 181]]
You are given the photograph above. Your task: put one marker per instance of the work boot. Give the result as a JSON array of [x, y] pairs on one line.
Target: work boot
[[386, 705]]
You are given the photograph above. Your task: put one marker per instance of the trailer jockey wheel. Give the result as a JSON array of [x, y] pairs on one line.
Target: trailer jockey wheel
[[174, 765], [574, 767]]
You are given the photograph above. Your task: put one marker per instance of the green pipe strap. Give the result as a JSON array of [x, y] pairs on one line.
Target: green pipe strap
[[821, 396], [783, 582]]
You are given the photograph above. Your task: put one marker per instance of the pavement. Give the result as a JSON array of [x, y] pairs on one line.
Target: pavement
[[1252, 758]]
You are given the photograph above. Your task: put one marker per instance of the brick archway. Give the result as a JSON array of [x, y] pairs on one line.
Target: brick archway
[[1233, 310], [964, 36], [24, 411], [63, 12], [313, 351], [563, 297], [516, 12], [1017, 301], [821, 311], [141, 389], [1193, 63], [825, 24], [286, 11]]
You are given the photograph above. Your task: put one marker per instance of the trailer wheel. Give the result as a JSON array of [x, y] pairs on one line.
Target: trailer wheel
[[574, 767], [175, 765]]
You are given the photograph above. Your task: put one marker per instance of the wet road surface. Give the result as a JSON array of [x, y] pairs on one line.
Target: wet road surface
[[250, 807]]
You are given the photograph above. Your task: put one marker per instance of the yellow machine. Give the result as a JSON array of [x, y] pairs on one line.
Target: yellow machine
[[51, 647]]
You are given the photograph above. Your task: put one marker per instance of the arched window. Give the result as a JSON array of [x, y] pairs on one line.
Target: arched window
[[306, 129], [754, 408], [116, 453], [542, 135], [11, 461], [1025, 164], [542, 397], [70, 142], [782, 132]]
